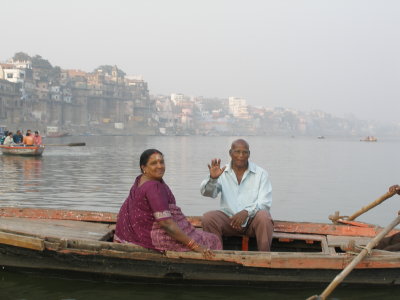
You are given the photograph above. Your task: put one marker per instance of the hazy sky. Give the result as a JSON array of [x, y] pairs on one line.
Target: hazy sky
[[339, 56]]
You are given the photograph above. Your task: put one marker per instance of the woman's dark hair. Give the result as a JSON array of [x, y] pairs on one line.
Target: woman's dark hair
[[144, 158]]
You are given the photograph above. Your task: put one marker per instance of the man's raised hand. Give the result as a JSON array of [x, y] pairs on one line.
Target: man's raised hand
[[215, 168]]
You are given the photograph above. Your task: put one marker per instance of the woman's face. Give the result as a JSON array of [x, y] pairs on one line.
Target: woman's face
[[155, 167]]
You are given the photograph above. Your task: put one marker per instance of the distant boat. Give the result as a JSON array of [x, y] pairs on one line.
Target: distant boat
[[22, 150], [369, 139], [320, 137], [54, 131], [57, 134]]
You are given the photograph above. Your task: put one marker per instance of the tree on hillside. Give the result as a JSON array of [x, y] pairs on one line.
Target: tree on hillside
[[41, 63], [55, 74], [212, 104], [21, 56]]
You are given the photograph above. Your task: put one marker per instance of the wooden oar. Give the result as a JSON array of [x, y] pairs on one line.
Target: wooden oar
[[335, 218], [371, 205], [346, 271], [66, 145]]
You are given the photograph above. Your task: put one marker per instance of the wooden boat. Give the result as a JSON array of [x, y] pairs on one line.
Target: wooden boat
[[369, 139], [22, 150], [56, 134], [80, 242]]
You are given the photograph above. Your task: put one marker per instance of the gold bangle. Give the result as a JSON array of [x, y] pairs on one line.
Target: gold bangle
[[190, 244]]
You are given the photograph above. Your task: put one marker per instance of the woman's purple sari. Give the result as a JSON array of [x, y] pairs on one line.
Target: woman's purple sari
[[147, 204]]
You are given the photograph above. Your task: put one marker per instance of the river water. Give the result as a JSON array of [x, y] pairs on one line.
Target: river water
[[311, 179]]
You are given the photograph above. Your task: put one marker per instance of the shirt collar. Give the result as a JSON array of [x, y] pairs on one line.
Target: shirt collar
[[252, 167]]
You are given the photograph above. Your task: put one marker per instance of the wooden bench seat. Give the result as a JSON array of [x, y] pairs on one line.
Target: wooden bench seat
[[57, 228]]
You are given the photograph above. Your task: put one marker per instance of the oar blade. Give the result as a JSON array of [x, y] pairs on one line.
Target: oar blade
[[66, 145]]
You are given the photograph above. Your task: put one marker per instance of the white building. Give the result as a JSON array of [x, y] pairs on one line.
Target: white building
[[238, 107], [14, 75], [177, 98]]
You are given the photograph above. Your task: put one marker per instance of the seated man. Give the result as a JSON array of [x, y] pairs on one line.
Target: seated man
[[246, 197], [18, 137], [391, 243], [28, 139], [37, 139]]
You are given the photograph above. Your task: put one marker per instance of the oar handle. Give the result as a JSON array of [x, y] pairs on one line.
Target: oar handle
[[371, 205]]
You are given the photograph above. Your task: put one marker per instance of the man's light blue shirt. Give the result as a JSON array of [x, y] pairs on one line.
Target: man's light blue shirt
[[254, 192]]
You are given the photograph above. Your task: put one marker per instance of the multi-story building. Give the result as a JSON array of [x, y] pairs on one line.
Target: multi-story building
[[238, 107], [72, 100]]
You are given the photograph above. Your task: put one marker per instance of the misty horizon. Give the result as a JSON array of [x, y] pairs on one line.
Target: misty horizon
[[337, 57]]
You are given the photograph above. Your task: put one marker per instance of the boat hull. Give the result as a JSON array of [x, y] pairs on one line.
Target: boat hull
[[79, 242], [162, 269], [22, 150]]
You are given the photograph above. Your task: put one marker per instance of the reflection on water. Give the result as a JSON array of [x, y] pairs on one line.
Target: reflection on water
[[311, 179], [38, 287], [21, 173]]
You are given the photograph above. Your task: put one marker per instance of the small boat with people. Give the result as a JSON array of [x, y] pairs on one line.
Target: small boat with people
[[22, 150], [81, 242], [35, 150], [369, 139]]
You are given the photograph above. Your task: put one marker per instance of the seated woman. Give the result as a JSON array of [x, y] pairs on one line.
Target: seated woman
[[8, 141], [150, 218]]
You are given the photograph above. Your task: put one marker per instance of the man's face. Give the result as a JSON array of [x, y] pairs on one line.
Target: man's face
[[240, 154]]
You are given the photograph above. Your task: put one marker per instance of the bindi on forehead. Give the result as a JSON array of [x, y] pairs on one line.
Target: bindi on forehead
[[156, 156]]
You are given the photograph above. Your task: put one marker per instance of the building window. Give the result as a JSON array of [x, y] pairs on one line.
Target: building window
[[9, 75]]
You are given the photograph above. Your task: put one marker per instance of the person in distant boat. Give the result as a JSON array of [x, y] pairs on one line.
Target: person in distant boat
[[391, 243], [246, 197], [37, 139], [9, 139], [150, 218], [18, 137], [28, 139], [2, 139]]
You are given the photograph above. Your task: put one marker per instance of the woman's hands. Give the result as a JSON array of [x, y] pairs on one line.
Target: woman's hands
[[207, 253], [215, 168], [174, 231]]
